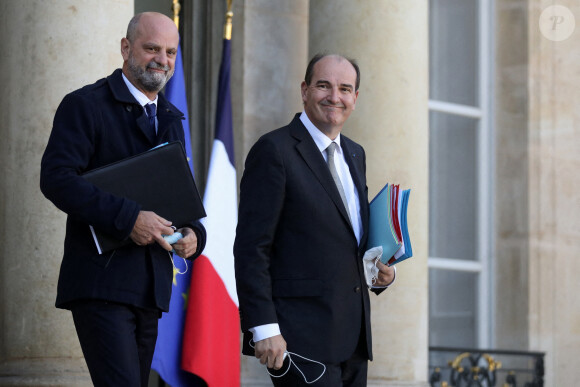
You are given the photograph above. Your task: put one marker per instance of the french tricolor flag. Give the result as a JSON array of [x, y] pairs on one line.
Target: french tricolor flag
[[211, 338]]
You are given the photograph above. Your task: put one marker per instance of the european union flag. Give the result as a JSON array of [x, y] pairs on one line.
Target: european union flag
[[167, 356]]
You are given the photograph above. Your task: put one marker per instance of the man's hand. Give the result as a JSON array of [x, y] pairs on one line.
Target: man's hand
[[270, 351], [386, 274], [186, 246], [149, 227]]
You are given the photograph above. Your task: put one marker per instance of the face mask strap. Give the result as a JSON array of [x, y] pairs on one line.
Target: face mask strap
[[291, 362], [175, 269]]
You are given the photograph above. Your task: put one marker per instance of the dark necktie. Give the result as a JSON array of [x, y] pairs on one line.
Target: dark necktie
[[151, 113], [330, 152]]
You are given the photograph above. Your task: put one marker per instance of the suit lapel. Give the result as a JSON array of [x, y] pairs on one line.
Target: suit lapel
[[166, 114], [313, 158]]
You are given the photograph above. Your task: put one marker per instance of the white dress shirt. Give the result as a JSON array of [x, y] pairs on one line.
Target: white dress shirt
[[140, 97]]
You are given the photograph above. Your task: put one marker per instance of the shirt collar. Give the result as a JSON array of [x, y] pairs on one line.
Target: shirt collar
[[138, 94], [320, 139]]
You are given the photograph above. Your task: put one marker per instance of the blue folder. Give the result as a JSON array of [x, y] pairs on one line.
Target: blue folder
[[382, 225]]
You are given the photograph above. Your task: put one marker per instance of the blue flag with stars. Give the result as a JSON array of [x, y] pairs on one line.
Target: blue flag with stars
[[167, 356]]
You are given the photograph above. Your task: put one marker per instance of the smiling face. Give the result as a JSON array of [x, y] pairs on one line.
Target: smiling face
[[331, 96], [149, 53]]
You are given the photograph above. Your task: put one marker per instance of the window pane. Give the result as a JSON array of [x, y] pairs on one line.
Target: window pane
[[452, 308], [452, 186], [453, 51]]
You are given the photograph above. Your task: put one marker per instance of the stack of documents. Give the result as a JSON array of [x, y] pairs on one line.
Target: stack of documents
[[388, 224]]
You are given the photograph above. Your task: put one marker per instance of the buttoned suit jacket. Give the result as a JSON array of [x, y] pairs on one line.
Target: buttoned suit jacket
[[95, 126], [297, 259]]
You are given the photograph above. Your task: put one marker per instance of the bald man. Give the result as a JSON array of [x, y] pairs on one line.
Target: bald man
[[117, 297]]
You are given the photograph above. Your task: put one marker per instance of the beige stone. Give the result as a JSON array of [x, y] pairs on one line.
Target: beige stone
[[554, 210], [42, 62], [511, 177], [270, 51]]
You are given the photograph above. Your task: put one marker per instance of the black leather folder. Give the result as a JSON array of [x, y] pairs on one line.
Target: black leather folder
[[159, 180]]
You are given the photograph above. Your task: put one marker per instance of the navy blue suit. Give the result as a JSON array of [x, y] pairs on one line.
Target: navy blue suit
[[94, 126], [298, 262]]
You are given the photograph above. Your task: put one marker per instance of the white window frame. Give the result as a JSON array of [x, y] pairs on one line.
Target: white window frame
[[483, 265]]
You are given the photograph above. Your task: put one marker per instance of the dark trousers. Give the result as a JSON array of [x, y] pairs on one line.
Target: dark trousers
[[350, 373], [117, 340]]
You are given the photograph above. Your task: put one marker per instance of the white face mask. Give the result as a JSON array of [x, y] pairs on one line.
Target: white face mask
[[370, 264], [290, 363]]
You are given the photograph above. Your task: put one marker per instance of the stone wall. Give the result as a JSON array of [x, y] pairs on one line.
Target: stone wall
[[554, 195], [50, 48]]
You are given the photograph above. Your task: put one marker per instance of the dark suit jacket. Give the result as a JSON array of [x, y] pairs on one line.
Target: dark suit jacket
[[297, 260], [94, 126]]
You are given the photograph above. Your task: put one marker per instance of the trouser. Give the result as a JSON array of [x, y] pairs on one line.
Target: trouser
[[349, 373], [117, 341]]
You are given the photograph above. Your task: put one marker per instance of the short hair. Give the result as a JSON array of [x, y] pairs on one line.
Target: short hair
[[319, 56], [132, 27]]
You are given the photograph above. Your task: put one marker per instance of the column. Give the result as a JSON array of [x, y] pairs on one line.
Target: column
[[511, 177], [270, 54], [269, 58], [50, 47], [554, 187], [389, 39]]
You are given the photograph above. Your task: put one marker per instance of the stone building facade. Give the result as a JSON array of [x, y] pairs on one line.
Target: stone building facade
[[51, 47]]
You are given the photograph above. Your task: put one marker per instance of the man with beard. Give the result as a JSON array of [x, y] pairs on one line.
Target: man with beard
[[116, 298]]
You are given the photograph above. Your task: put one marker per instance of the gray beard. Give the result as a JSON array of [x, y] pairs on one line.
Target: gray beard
[[152, 82]]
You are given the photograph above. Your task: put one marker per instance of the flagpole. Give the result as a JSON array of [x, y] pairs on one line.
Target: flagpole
[[228, 25], [212, 324], [176, 8], [167, 356]]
